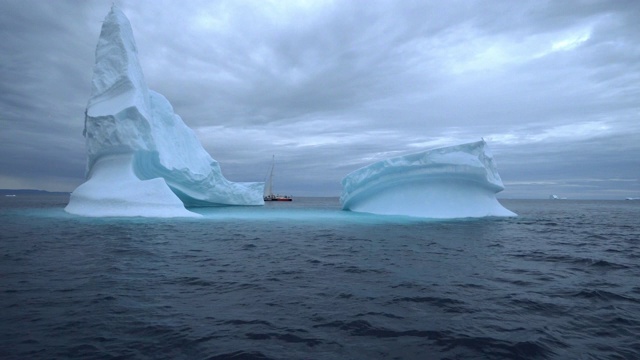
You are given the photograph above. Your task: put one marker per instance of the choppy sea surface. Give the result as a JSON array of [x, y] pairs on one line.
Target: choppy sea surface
[[304, 280]]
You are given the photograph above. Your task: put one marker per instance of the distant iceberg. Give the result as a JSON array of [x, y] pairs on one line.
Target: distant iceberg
[[450, 182], [142, 158]]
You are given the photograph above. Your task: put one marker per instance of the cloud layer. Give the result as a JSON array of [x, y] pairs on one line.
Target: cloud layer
[[330, 86]]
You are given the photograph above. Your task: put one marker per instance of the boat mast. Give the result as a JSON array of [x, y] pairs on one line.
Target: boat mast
[[268, 190]]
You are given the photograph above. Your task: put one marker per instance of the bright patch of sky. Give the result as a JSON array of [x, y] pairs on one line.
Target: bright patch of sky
[[218, 16], [469, 54], [564, 133], [572, 41]]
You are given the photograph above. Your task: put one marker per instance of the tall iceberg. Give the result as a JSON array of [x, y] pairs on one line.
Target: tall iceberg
[[450, 182], [142, 158]]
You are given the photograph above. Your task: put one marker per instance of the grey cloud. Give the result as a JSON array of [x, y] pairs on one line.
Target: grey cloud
[[335, 87]]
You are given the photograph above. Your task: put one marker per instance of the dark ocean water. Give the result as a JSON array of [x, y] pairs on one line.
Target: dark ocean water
[[304, 280]]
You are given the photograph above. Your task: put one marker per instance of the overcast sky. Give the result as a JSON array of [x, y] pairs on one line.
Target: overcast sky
[[331, 86]]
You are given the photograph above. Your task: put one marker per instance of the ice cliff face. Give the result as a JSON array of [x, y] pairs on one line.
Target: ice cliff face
[[451, 182], [142, 159]]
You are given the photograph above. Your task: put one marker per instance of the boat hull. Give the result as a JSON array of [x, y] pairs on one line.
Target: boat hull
[[278, 199]]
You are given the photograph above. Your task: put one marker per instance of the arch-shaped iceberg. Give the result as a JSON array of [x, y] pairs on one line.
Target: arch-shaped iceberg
[[450, 182]]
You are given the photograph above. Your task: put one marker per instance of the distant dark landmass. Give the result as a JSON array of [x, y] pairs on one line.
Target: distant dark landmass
[[30, 192]]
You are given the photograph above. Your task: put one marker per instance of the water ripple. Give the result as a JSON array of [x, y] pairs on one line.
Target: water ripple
[[308, 281]]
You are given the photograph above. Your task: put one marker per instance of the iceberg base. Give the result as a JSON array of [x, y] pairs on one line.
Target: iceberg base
[[113, 190], [437, 200]]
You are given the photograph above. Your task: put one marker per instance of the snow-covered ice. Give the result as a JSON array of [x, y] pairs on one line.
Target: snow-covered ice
[[142, 158], [450, 182]]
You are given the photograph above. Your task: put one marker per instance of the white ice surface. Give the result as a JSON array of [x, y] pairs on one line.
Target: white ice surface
[[124, 117], [113, 190], [452, 182]]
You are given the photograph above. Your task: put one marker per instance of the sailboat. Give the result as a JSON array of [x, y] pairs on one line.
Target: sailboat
[[268, 187]]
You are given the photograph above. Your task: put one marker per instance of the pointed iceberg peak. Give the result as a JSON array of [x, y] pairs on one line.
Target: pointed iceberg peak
[[450, 182], [142, 159], [117, 76]]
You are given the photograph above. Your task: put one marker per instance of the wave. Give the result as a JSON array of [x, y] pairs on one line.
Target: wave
[[446, 304], [569, 259], [449, 341], [240, 355], [603, 295]]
